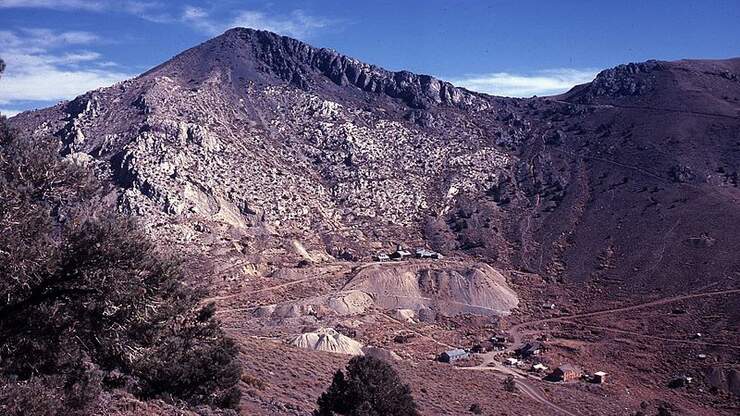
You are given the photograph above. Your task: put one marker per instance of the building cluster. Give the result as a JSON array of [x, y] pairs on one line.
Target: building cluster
[[569, 372], [526, 357], [494, 343], [403, 254]]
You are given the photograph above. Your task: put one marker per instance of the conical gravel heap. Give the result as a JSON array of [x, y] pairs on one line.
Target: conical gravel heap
[[329, 340]]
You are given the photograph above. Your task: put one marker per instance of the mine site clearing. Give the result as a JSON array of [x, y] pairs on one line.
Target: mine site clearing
[[458, 313]]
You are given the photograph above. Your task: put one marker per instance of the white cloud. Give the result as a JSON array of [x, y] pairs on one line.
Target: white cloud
[[297, 24], [49, 83], [53, 4], [76, 57], [35, 39], [37, 71], [127, 6], [200, 19], [541, 83], [9, 113]]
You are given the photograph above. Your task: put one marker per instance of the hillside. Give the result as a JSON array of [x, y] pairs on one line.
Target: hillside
[[278, 169]]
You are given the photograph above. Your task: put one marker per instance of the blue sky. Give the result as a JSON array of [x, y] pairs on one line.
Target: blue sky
[[57, 49]]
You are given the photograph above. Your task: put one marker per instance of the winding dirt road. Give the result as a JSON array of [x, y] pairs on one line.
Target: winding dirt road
[[529, 390]]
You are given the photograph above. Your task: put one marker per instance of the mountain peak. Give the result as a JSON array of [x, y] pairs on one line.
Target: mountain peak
[[665, 84], [265, 57]]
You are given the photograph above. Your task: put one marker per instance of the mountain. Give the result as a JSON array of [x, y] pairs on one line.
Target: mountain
[[254, 153]]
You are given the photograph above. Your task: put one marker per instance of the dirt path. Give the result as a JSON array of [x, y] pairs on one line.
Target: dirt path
[[614, 163], [665, 110], [406, 328], [528, 389], [536, 394], [320, 276], [638, 334], [515, 330], [264, 289], [663, 246]]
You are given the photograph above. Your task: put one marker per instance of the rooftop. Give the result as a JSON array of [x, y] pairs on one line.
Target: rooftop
[[569, 367]]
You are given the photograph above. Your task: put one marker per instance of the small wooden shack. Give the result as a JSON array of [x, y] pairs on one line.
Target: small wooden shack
[[498, 342], [599, 377], [529, 349], [453, 355], [381, 257], [400, 254], [423, 253], [539, 368], [511, 361], [482, 347], [566, 372]]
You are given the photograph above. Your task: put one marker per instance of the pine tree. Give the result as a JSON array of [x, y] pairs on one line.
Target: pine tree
[[370, 387]]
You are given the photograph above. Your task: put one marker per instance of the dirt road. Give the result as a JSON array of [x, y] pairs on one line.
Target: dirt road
[[407, 328], [528, 389], [533, 392], [516, 330], [637, 334]]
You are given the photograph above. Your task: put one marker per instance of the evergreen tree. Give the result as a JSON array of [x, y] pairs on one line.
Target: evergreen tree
[[370, 387]]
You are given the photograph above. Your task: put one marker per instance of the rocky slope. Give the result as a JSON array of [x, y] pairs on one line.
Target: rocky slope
[[263, 138], [265, 135]]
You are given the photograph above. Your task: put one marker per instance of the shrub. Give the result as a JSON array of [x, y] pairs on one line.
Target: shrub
[[510, 384]]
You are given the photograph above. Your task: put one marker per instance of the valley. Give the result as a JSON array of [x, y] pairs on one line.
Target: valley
[[602, 223]]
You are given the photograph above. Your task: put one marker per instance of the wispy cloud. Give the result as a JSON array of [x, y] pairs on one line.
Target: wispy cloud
[[296, 24], [45, 65], [154, 11], [541, 83], [128, 6], [35, 39], [53, 4]]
